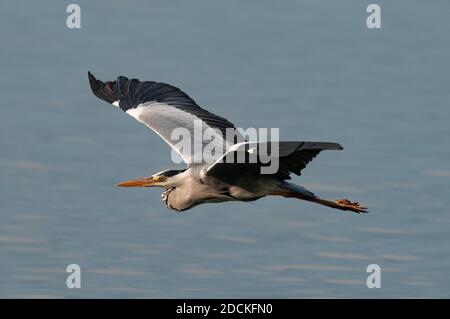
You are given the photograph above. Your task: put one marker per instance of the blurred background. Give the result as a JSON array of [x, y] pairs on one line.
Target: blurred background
[[311, 68]]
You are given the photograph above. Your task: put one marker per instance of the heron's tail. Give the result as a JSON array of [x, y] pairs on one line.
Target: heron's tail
[[296, 191]]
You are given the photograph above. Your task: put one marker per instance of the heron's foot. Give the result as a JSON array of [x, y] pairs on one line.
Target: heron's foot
[[356, 207]]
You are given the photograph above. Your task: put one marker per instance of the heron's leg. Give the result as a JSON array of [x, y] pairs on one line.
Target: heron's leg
[[342, 204]]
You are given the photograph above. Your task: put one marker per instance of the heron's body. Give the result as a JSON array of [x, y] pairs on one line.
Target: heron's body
[[193, 187], [165, 108]]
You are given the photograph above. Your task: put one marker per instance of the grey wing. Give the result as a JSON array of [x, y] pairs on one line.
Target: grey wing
[[292, 158], [170, 112]]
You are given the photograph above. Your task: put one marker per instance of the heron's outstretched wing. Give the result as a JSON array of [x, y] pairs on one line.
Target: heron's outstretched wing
[[164, 109], [249, 157]]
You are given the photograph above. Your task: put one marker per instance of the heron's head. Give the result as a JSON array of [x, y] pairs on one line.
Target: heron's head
[[162, 179]]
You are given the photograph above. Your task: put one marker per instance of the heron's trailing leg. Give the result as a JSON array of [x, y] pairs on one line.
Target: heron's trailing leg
[[353, 206], [342, 204]]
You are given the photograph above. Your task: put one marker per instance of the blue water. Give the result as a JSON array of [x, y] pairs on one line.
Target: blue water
[[311, 68]]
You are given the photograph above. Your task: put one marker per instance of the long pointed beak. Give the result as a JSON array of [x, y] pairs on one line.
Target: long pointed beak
[[140, 182], [143, 182]]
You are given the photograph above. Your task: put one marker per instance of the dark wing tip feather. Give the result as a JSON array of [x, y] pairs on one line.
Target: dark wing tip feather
[[321, 146], [295, 161], [132, 92], [93, 82], [107, 91]]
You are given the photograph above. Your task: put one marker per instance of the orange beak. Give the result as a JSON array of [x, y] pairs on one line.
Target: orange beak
[[143, 182]]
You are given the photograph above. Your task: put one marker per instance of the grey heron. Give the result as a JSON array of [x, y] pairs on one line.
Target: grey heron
[[163, 108]]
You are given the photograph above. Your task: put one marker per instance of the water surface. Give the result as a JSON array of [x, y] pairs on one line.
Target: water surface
[[311, 68]]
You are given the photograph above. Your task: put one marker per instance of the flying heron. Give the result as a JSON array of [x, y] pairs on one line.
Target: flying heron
[[163, 108]]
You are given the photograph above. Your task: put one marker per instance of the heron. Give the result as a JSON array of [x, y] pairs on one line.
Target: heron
[[163, 108]]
